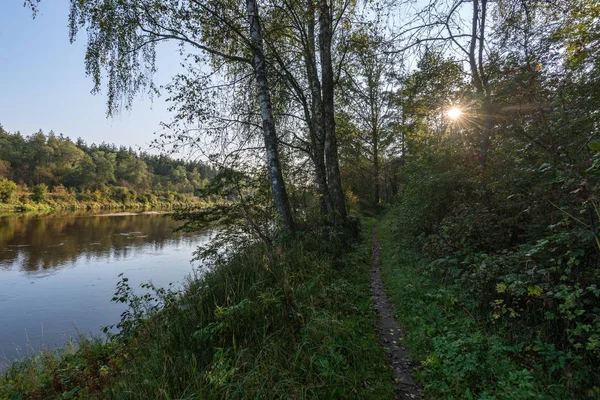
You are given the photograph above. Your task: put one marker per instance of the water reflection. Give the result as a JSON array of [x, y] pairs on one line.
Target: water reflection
[[58, 272], [34, 244]]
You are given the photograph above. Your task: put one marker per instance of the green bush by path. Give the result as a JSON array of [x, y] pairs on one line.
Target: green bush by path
[[293, 321], [461, 354]]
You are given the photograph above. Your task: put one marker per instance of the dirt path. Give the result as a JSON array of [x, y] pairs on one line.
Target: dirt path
[[390, 333]]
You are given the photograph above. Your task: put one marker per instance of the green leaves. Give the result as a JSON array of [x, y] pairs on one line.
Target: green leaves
[[8, 190], [594, 145]]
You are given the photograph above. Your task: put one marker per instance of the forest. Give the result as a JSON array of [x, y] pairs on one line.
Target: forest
[[466, 132], [53, 170]]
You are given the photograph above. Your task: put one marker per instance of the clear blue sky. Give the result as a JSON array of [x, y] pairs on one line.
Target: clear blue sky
[[43, 83]]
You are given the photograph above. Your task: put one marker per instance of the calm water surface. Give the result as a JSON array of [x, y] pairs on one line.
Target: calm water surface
[[59, 272]]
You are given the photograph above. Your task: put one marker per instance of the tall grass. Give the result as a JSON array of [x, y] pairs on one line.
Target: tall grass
[[293, 321]]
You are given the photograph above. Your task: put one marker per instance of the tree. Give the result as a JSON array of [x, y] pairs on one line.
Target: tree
[[369, 107], [135, 172], [320, 28], [443, 25], [326, 32], [4, 169], [83, 174], [425, 96], [105, 163], [266, 111], [294, 65], [123, 38], [39, 192]]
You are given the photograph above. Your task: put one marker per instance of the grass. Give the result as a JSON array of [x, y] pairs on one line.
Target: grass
[[292, 321], [459, 353]]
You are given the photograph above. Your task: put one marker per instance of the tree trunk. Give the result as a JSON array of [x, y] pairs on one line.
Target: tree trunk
[[376, 173], [373, 85], [314, 117], [269, 132], [328, 113], [479, 77], [486, 136], [323, 188]]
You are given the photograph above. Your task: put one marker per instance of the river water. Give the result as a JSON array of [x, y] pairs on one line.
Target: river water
[[59, 272]]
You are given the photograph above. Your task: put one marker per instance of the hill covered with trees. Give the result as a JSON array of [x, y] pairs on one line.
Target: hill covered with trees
[[53, 171]]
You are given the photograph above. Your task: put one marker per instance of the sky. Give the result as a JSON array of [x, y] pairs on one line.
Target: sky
[[43, 84]]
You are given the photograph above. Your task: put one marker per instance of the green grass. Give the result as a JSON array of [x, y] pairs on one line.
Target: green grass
[[459, 353], [290, 322]]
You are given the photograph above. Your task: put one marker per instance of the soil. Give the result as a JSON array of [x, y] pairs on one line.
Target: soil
[[390, 333]]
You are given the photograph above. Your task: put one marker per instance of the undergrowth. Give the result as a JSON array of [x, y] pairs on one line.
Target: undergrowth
[[461, 353], [290, 321]]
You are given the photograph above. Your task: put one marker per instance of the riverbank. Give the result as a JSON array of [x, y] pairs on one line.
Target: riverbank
[[104, 205], [293, 321]]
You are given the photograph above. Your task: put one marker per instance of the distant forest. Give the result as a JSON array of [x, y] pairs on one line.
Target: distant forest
[[33, 168]]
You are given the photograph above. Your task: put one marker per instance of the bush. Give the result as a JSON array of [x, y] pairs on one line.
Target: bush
[[8, 191], [122, 194], [149, 198], [61, 194], [517, 247], [39, 192]]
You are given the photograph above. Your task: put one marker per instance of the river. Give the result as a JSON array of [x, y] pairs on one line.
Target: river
[[59, 272]]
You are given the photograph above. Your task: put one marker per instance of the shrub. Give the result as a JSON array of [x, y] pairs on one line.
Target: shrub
[[122, 194], [149, 198], [39, 192], [60, 193], [8, 190]]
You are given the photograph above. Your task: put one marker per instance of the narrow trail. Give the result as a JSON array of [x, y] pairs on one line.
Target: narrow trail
[[389, 331]]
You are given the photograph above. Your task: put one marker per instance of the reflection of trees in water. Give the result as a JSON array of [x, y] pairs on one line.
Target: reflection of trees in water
[[38, 243]]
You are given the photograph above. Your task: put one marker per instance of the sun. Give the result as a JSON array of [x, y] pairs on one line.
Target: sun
[[454, 113]]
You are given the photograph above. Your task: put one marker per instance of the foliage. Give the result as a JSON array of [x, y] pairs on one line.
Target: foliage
[[508, 240], [8, 190], [518, 256], [98, 176], [515, 244], [369, 119], [502, 205], [244, 214], [77, 370], [459, 355], [39, 192]]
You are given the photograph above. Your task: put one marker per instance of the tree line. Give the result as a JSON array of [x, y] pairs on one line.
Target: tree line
[[53, 162]]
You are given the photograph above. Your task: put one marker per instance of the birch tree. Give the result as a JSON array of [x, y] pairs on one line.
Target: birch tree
[[122, 42], [308, 58]]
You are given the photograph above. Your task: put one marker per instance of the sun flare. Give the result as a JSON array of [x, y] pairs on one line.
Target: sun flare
[[454, 113]]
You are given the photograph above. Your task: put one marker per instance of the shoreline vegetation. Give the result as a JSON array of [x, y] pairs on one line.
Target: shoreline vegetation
[[41, 173], [293, 321], [159, 203]]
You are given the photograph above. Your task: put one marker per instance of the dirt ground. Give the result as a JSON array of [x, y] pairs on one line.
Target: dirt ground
[[389, 331]]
